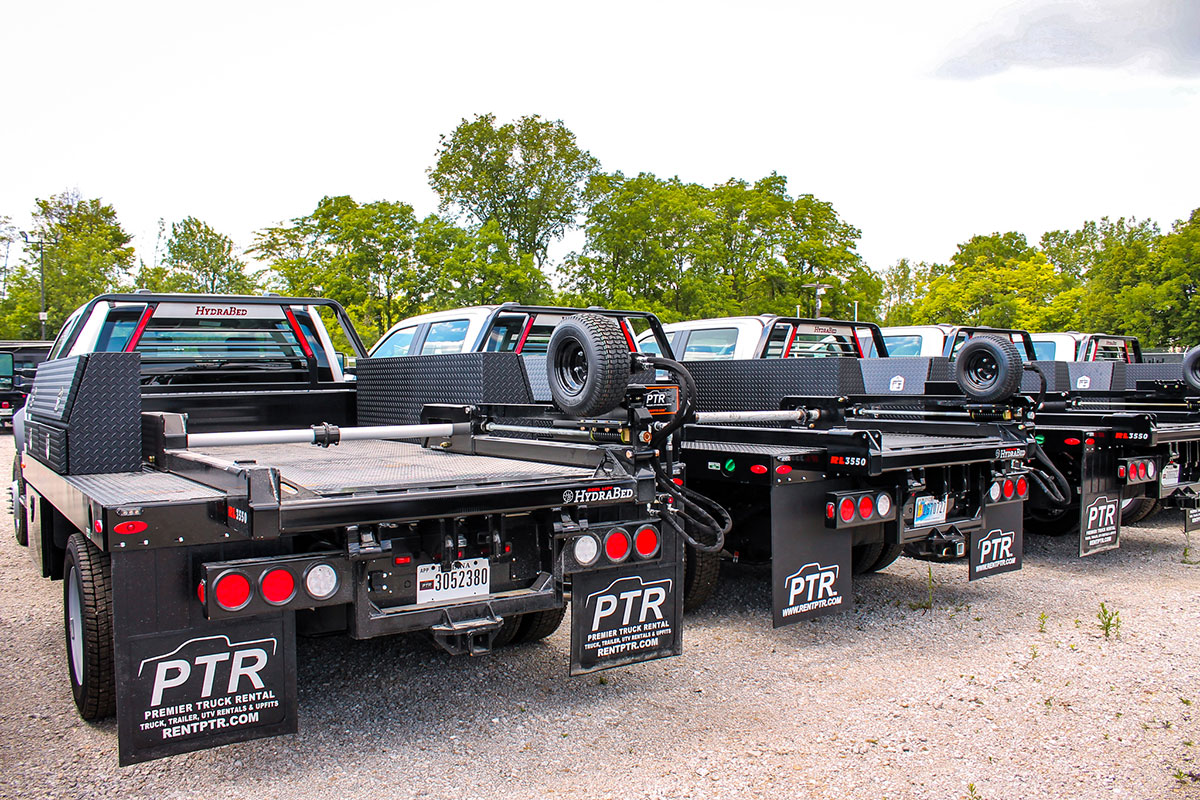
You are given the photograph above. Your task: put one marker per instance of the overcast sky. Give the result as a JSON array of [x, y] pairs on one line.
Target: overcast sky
[[923, 122]]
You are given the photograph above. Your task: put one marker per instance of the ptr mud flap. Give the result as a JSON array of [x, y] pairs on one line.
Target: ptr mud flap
[[625, 615], [999, 545], [184, 683], [810, 564], [1100, 502]]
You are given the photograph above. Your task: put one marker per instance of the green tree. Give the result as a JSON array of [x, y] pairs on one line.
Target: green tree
[[87, 253], [476, 267], [526, 176], [198, 259], [1164, 310]]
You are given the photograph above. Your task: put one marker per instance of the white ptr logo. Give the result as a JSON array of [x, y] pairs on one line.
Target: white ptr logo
[[811, 587], [627, 596], [234, 661], [996, 550], [1083, 382], [1101, 514], [897, 384]]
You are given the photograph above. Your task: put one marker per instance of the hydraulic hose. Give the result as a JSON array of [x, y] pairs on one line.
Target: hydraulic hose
[[706, 516]]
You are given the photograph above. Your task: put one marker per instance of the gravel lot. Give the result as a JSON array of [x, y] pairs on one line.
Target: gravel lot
[[885, 702]]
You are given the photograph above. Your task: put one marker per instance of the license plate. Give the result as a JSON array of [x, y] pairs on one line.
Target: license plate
[[1170, 475], [930, 510], [469, 578]]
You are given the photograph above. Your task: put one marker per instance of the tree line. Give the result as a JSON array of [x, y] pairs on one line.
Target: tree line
[[508, 191]]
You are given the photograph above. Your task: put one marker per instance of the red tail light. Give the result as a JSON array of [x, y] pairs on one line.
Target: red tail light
[[1022, 486], [1121, 471], [758, 469], [646, 542], [232, 591], [616, 545], [1071, 440], [278, 586], [846, 509], [866, 506], [830, 511], [5, 404], [200, 591], [1009, 488], [1141, 470]]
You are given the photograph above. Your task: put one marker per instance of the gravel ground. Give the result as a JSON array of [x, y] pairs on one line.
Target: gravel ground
[[980, 696]]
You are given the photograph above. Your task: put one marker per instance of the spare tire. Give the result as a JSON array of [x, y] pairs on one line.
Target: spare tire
[[988, 369], [1191, 368], [587, 363]]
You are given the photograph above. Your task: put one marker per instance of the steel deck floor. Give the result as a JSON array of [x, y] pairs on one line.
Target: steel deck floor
[[361, 466]]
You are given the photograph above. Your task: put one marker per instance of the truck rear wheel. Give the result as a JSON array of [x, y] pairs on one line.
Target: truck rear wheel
[[20, 523], [1191, 368], [988, 369], [537, 625], [700, 574], [864, 556], [1052, 521], [587, 363], [887, 556], [1136, 509], [87, 618]]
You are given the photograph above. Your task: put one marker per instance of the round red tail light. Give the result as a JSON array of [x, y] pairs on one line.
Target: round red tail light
[[278, 586], [1142, 470], [866, 506], [1022, 486], [616, 545], [646, 542], [232, 591], [846, 509], [1009, 488]]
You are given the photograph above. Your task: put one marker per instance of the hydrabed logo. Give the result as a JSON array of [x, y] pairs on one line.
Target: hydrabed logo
[[811, 587], [996, 550], [220, 311], [603, 494]]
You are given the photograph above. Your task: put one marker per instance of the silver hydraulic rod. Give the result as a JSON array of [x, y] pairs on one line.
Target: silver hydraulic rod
[[309, 435], [721, 417], [894, 412], [1123, 404]]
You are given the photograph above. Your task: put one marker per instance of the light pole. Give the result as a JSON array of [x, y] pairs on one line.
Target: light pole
[[41, 245], [820, 287]]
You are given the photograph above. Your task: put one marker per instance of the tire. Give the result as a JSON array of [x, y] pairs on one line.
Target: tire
[[20, 523], [1191, 368], [87, 620], [863, 556], [1048, 522], [587, 363], [537, 625], [988, 369], [701, 572], [1136, 509], [887, 557]]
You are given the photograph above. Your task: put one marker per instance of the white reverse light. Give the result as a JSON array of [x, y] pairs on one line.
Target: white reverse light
[[321, 581], [586, 550], [883, 504]]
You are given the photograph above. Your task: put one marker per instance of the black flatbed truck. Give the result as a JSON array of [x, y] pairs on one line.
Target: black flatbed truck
[[833, 464], [191, 559]]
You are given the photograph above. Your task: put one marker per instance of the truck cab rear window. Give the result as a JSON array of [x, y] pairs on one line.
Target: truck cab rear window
[[445, 337], [714, 344]]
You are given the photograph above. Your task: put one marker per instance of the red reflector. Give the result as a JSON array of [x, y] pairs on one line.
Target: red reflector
[[1071, 440], [783, 469], [5, 404], [866, 506], [677, 481], [278, 586], [830, 510], [1142, 469], [98, 526], [846, 509], [1022, 486], [616, 546], [232, 591], [1121, 471], [646, 542], [1090, 440], [127, 528], [508, 548], [403, 559], [200, 591], [758, 469], [1009, 488]]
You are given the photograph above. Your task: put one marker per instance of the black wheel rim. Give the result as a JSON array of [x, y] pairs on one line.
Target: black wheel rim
[[981, 370], [571, 367]]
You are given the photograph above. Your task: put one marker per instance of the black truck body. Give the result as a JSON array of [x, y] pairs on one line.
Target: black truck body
[[872, 456], [199, 525]]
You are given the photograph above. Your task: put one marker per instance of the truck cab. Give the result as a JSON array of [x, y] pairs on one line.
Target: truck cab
[[928, 341], [1075, 346]]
